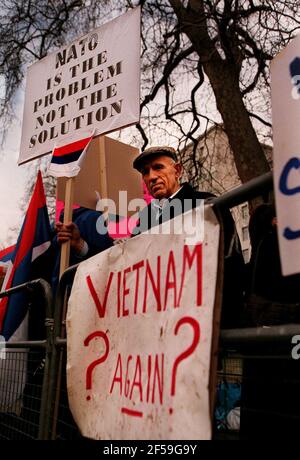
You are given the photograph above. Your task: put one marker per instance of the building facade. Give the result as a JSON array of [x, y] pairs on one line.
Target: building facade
[[216, 173]]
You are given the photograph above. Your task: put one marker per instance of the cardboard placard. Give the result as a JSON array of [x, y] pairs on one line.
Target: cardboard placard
[[118, 175]]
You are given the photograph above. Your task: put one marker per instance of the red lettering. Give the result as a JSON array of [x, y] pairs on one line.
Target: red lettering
[[190, 350], [137, 379], [188, 259], [127, 381], [137, 267], [100, 308], [149, 377], [117, 379], [139, 382], [155, 287], [159, 379], [171, 280], [119, 294], [125, 311]]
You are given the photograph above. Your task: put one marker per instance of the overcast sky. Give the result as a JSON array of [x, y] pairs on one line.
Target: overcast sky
[[12, 180]]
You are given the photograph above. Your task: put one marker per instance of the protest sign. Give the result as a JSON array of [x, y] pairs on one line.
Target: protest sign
[[285, 85], [93, 83], [119, 176], [141, 333]]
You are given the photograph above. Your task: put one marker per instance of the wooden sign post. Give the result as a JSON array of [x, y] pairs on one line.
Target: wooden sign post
[[65, 247]]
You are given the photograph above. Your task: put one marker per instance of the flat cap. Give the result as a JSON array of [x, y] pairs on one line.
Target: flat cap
[[151, 152]]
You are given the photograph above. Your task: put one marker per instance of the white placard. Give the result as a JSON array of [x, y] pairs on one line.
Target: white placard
[[285, 85], [139, 336], [93, 83]]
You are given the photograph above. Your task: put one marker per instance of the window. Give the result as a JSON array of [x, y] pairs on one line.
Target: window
[[246, 254], [245, 213], [245, 234]]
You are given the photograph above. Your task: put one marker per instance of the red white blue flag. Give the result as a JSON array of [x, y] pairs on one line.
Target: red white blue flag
[[6, 255], [66, 160], [5, 258], [34, 239]]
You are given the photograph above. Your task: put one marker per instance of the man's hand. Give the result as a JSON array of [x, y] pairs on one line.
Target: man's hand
[[69, 232]]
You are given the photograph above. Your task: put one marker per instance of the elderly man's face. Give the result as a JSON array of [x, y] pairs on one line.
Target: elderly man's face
[[161, 175]]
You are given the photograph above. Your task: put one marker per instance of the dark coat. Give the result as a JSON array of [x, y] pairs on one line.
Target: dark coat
[[187, 196], [233, 260]]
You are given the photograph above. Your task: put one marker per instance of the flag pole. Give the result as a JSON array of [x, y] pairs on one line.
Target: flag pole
[[103, 177], [65, 247], [64, 263]]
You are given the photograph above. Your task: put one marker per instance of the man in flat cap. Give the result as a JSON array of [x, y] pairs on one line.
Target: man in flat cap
[[161, 173]]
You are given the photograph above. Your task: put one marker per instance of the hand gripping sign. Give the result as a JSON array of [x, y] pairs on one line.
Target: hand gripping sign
[[140, 332]]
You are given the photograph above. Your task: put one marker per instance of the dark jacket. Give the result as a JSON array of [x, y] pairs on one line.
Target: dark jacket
[[233, 260], [187, 197]]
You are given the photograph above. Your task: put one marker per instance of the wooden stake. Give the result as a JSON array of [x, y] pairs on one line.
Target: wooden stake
[[65, 248], [103, 180]]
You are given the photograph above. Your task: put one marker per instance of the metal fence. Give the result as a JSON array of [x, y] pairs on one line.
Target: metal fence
[[257, 379]]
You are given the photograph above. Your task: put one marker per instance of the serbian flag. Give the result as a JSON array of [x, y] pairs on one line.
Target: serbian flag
[[66, 160], [33, 240], [6, 254], [5, 258]]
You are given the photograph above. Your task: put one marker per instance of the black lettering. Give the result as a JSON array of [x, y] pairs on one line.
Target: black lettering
[[117, 106], [101, 114], [89, 118], [98, 77], [43, 136], [40, 121], [61, 58], [83, 42], [72, 54], [37, 104], [80, 101], [111, 90], [65, 126], [84, 84], [102, 58], [73, 70], [93, 42], [53, 132], [48, 100], [62, 110], [73, 88], [57, 79], [87, 65], [96, 97], [32, 141], [113, 71], [50, 116], [77, 121], [60, 94]]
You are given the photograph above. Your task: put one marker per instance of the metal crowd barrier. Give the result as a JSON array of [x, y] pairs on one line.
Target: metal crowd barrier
[[246, 358], [24, 374]]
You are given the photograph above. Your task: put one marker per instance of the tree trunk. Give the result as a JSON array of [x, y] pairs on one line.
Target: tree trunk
[[223, 75]]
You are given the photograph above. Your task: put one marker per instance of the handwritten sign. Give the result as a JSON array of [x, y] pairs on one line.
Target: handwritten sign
[[139, 328], [92, 83], [285, 85]]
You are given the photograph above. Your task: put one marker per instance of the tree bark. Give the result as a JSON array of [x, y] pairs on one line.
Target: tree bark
[[223, 75]]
